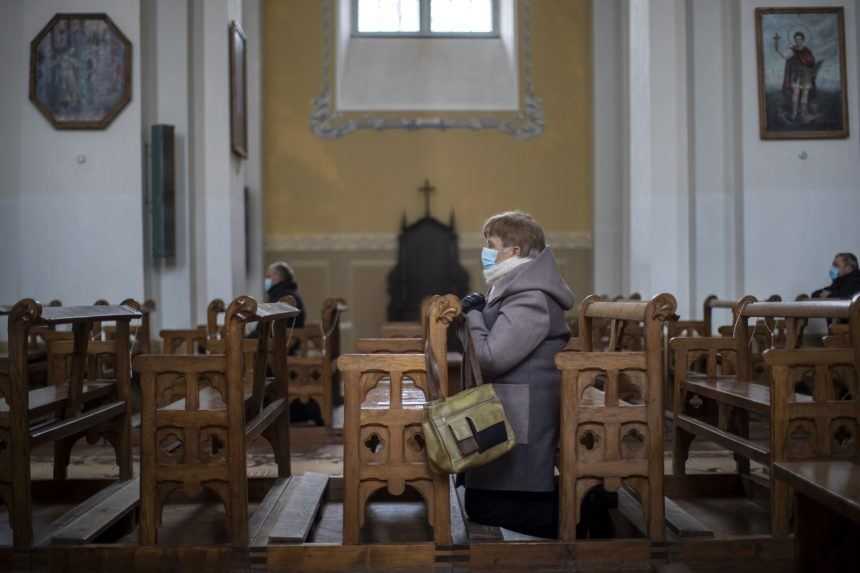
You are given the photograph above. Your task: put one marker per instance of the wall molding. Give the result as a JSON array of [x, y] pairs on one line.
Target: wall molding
[[387, 242]]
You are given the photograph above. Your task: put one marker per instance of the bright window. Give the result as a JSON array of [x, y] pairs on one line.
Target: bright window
[[423, 18]]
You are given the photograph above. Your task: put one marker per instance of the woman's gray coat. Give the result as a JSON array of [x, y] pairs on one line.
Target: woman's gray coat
[[516, 338]]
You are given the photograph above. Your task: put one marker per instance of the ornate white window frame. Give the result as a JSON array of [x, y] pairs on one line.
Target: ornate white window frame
[[328, 122]]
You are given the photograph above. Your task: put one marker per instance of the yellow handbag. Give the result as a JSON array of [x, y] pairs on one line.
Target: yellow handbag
[[470, 428]]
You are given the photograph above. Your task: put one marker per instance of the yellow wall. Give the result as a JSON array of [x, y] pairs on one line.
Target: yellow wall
[[365, 181]]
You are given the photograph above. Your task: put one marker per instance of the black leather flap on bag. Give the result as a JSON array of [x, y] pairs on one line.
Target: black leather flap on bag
[[490, 437]]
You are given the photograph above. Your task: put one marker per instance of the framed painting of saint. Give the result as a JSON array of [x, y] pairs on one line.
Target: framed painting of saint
[[801, 73], [80, 71]]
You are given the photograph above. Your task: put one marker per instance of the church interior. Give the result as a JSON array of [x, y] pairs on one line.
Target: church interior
[[252, 343]]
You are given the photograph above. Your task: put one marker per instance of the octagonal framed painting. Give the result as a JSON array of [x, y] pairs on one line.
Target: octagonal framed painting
[[80, 71]]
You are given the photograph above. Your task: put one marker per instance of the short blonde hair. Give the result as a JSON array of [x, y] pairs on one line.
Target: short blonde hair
[[516, 229]]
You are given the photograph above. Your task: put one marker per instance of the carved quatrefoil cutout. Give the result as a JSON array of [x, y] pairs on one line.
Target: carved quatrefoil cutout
[[316, 375], [801, 434], [416, 442], [212, 445], [374, 444], [633, 439], [843, 437], [696, 402], [171, 447], [589, 440]]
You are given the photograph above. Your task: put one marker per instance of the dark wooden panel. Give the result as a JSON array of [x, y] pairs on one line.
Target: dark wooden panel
[[89, 524], [835, 484]]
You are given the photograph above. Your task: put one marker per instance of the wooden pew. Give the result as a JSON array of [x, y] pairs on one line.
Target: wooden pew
[[187, 341], [402, 330], [716, 405], [383, 439], [215, 328], [193, 340], [221, 413], [827, 513], [71, 409], [613, 442], [36, 356], [407, 329], [389, 345], [701, 327], [825, 427], [411, 346], [312, 365], [141, 335], [606, 335]]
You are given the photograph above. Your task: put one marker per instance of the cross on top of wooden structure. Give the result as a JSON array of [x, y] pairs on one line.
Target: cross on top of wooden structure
[[427, 189]]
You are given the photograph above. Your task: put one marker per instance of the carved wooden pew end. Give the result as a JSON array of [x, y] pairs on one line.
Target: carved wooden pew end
[[200, 441], [383, 440]]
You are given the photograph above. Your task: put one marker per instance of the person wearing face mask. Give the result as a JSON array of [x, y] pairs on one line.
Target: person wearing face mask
[[517, 330], [844, 276]]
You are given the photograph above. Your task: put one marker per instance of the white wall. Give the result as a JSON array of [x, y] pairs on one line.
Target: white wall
[[219, 180], [70, 201], [252, 20], [716, 158], [610, 118], [79, 231], [659, 187], [166, 59], [754, 217], [797, 213]]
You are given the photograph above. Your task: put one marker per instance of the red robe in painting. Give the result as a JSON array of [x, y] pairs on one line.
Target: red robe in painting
[[800, 67]]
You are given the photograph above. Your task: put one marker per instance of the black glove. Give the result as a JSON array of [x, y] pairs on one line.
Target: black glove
[[474, 301]]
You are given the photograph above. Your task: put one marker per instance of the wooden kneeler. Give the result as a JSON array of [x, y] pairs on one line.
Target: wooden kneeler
[[383, 440]]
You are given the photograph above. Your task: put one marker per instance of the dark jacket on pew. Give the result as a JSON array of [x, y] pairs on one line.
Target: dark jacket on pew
[[844, 287], [284, 288], [517, 336]]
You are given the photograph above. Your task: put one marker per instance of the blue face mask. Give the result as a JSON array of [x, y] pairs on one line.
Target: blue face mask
[[834, 273], [488, 258], [267, 284]]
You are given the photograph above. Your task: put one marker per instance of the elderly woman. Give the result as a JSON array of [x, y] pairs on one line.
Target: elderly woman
[[280, 282], [517, 331]]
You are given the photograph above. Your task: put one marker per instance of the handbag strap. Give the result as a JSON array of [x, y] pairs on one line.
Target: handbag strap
[[470, 371]]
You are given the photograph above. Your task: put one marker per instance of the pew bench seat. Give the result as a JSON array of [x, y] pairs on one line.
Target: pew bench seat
[[733, 392], [52, 399], [833, 483], [827, 512]]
